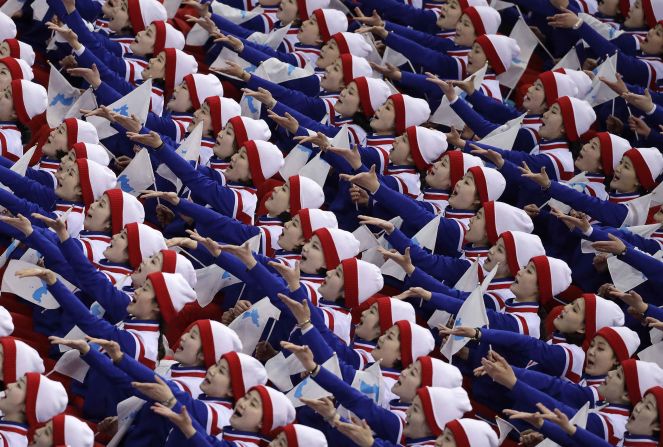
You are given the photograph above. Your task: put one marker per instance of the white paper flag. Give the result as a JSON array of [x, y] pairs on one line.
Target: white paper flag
[[309, 389], [504, 429], [71, 365], [654, 353], [75, 333], [87, 101], [39, 9], [189, 149], [317, 170], [600, 92], [209, 281], [295, 160], [426, 238], [171, 7], [625, 277], [30, 289], [570, 61], [237, 16], [579, 419], [137, 102], [445, 115], [372, 255], [365, 237], [527, 41], [138, 175], [504, 136], [11, 7], [393, 57], [579, 183], [272, 39], [638, 211], [22, 164], [250, 325], [61, 96], [606, 30], [126, 413], [279, 369]]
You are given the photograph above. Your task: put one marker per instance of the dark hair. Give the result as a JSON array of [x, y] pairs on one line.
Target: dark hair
[[362, 121]]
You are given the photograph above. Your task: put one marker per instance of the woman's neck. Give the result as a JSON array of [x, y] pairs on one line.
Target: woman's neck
[[529, 299], [14, 417]]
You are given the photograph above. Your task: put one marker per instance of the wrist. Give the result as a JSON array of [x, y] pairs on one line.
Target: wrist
[[578, 24], [304, 324], [170, 402], [547, 186]]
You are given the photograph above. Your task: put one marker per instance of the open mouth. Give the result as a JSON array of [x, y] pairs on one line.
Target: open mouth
[[237, 413]]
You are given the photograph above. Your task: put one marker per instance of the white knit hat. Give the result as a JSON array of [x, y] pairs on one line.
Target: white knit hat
[[173, 262], [21, 50], [30, 99], [354, 67], [556, 85], [613, 148], [125, 209], [409, 111], [485, 19], [6, 322], [172, 292], [577, 115], [500, 51], [467, 3], [7, 26], [167, 36], [265, 160], [501, 217], [221, 110], [520, 247], [143, 12], [44, 398], [312, 219], [640, 376], [18, 68], [202, 86], [471, 432], [143, 242], [361, 280], [79, 131], [351, 43], [306, 7], [426, 145], [277, 410], [623, 341], [442, 405], [246, 128], [416, 341], [373, 93], [304, 193], [92, 152], [217, 339], [459, 164], [94, 179], [600, 313], [391, 311], [337, 245], [489, 182], [648, 164], [437, 373], [71, 432], [18, 359], [553, 276], [330, 22], [582, 81], [653, 12], [245, 372], [178, 64], [299, 435]]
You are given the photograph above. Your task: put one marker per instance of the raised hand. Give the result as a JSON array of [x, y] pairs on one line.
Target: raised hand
[[151, 139], [565, 19], [263, 95], [91, 75], [367, 180], [103, 112], [378, 31], [534, 419], [358, 431], [493, 156], [234, 70], [290, 274], [373, 20], [112, 348], [445, 86], [403, 260], [183, 242], [131, 124], [231, 42], [388, 71], [20, 222], [288, 122], [324, 407], [319, 139], [614, 245], [303, 354], [633, 299], [210, 244], [454, 138], [299, 310], [557, 417], [540, 178], [46, 275], [573, 221], [168, 196], [352, 155], [158, 392], [466, 86], [638, 126], [414, 292], [67, 34], [181, 420], [385, 225], [79, 345], [499, 369], [242, 252]]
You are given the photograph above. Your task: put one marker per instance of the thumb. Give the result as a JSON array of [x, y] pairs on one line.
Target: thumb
[[158, 380], [647, 94], [372, 170]]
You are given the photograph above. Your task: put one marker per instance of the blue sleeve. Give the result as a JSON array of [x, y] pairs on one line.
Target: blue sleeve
[[600, 233], [584, 437], [21, 206], [654, 312], [106, 94], [535, 162], [90, 10], [418, 18], [426, 39], [98, 43], [28, 189], [95, 283], [608, 213], [220, 227], [445, 66], [567, 392], [105, 366], [87, 58], [322, 352], [402, 205], [418, 82], [305, 121], [495, 111], [162, 125], [496, 320], [91, 325], [267, 52], [650, 267], [384, 423], [53, 257], [313, 107], [229, 27], [474, 120]]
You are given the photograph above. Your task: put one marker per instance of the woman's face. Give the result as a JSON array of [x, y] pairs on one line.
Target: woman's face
[[535, 99], [388, 348], [600, 357], [331, 288], [202, 115], [144, 304], [464, 195], [43, 436], [119, 17], [328, 54], [118, 249], [409, 381], [332, 81], [552, 126], [287, 11], [416, 425], [439, 176], [609, 8], [190, 350], [384, 119], [369, 324], [589, 157], [625, 178], [450, 13], [5, 77], [636, 16], [156, 67], [613, 389], [224, 146], [7, 112], [476, 231], [98, 216], [149, 265], [238, 170], [279, 201], [144, 41], [643, 420], [280, 441], [309, 33], [56, 142], [476, 59], [465, 34], [525, 284], [572, 318], [400, 153], [68, 185], [446, 439], [217, 380], [497, 254], [348, 101], [180, 101], [292, 236], [653, 42], [313, 258], [14, 398], [248, 413]]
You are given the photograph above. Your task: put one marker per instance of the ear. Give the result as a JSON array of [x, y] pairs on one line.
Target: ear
[[582, 329], [656, 426], [78, 190], [201, 356]]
